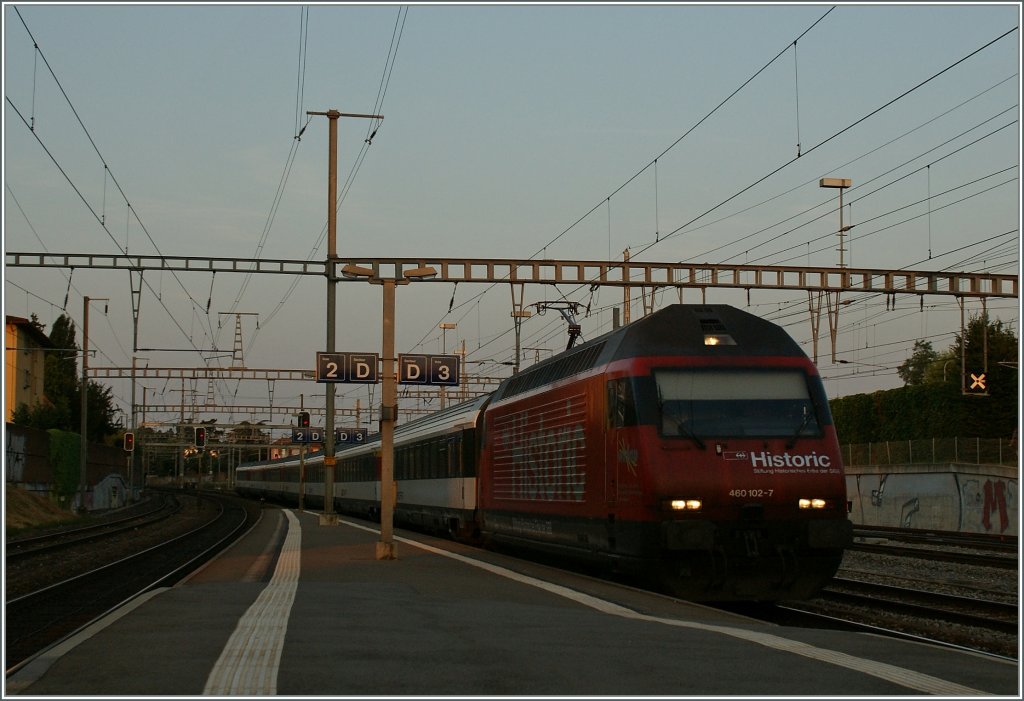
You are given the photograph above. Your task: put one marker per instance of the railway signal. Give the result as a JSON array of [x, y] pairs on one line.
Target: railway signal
[[129, 441], [303, 419], [977, 384], [200, 438]]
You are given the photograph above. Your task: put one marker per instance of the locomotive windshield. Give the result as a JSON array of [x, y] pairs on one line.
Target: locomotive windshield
[[735, 402]]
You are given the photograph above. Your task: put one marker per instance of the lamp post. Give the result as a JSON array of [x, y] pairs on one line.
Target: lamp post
[[840, 184], [386, 548]]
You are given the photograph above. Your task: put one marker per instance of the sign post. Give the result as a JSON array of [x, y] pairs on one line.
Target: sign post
[[361, 368]]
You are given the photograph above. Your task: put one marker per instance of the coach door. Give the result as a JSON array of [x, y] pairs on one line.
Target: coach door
[[456, 474]]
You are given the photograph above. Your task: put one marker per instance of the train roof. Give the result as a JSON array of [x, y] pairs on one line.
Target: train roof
[[459, 416], [463, 415], [679, 329]]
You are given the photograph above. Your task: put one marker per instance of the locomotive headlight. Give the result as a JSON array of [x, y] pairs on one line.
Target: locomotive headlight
[[812, 504], [686, 504], [719, 339]]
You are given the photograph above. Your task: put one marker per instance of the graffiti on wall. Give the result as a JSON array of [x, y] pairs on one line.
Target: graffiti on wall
[[990, 505], [15, 457]]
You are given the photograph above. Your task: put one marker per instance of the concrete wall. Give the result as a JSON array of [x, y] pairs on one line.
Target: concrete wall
[[947, 497]]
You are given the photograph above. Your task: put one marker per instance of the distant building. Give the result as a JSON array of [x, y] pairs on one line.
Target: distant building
[[24, 364]]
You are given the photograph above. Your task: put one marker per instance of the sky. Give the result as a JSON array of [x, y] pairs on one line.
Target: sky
[[685, 133]]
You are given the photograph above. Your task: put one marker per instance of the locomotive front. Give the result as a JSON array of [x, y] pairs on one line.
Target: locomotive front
[[722, 435]]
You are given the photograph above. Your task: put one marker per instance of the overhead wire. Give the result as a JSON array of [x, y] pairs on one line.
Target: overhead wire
[[859, 237], [653, 162], [828, 139], [687, 132], [96, 216], [678, 230], [105, 165], [396, 38], [295, 141], [825, 141], [699, 256]]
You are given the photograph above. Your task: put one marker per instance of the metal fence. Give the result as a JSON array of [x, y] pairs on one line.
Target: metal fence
[[973, 451]]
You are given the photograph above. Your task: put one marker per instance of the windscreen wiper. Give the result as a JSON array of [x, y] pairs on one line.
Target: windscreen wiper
[[684, 430], [803, 424], [681, 427]]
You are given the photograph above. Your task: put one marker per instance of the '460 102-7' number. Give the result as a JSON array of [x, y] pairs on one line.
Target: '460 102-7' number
[[741, 493]]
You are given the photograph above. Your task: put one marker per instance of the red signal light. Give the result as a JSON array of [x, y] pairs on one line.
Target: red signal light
[[129, 441]]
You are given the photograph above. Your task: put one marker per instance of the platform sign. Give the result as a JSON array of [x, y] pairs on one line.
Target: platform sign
[[428, 369], [444, 370], [307, 435], [360, 368], [413, 369], [350, 436]]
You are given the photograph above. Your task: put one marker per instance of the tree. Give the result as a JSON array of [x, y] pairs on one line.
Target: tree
[[100, 416], [60, 383], [989, 346], [931, 403], [913, 370]]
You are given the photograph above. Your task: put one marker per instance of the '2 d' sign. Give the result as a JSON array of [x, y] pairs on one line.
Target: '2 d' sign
[[360, 368]]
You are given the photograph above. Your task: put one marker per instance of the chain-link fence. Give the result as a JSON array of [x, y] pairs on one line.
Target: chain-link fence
[[973, 451]]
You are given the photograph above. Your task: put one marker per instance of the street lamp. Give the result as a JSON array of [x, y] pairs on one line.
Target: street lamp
[[386, 548], [840, 184]]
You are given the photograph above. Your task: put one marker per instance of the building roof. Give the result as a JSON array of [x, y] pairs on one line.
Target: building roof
[[31, 331]]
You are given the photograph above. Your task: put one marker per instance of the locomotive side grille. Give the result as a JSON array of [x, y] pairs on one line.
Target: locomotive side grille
[[712, 326]]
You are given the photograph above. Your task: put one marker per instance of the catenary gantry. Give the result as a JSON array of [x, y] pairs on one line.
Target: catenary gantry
[[601, 273]]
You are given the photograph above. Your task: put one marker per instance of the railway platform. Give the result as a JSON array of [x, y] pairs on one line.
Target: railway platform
[[301, 609]]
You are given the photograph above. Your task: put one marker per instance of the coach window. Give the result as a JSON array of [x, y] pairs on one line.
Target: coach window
[[435, 457], [621, 405]]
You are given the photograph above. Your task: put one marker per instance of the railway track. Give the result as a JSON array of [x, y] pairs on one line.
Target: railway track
[[939, 587], [978, 541], [41, 618], [966, 558], [159, 507], [886, 599], [962, 548]]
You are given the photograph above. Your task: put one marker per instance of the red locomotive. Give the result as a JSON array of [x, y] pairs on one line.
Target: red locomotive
[[695, 444]]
